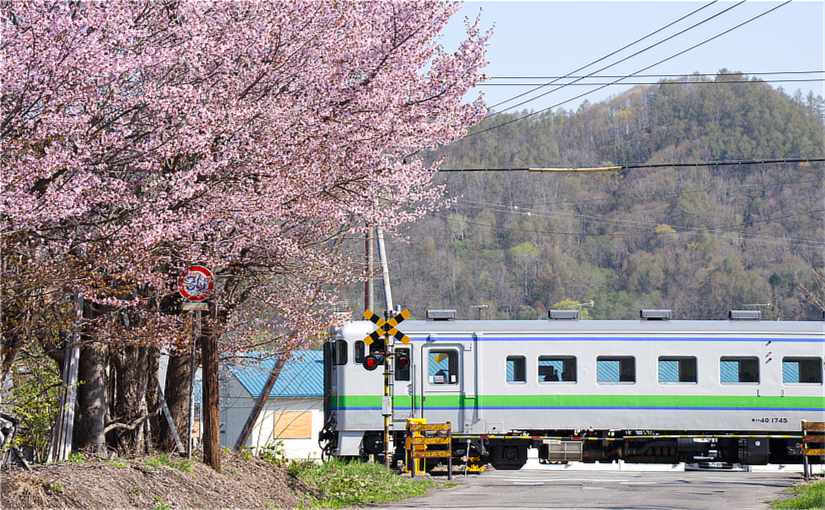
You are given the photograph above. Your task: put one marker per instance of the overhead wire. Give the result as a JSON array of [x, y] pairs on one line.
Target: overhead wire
[[666, 82], [630, 166], [641, 227], [624, 59], [657, 75], [682, 52], [753, 237], [604, 57]]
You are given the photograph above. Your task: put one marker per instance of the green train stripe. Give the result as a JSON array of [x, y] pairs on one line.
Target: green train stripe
[[591, 401]]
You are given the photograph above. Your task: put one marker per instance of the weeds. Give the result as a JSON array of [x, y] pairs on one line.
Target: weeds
[[164, 459], [807, 496], [54, 487], [76, 458], [160, 504], [118, 463], [355, 483]]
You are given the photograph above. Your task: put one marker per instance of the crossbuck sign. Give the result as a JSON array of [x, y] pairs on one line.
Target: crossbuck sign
[[387, 327]]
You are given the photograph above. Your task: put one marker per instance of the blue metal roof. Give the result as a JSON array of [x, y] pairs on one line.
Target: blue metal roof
[[301, 376]]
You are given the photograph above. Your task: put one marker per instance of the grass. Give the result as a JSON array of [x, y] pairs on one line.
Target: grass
[[164, 459], [808, 496], [160, 504], [54, 487], [355, 483], [118, 463]]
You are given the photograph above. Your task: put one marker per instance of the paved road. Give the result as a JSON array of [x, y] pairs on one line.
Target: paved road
[[610, 490]]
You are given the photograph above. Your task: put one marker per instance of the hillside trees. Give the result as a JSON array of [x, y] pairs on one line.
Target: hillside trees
[[140, 137], [698, 240]]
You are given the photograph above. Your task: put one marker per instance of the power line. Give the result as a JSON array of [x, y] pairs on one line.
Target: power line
[[637, 226], [704, 41], [691, 13], [667, 82], [653, 75], [505, 209], [660, 195], [619, 168], [639, 52]]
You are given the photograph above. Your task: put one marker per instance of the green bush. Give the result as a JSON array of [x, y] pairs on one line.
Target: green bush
[[34, 399]]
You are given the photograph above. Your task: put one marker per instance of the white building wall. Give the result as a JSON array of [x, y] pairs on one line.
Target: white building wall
[[236, 404]]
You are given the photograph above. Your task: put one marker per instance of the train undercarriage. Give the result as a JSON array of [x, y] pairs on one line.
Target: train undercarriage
[[510, 452]]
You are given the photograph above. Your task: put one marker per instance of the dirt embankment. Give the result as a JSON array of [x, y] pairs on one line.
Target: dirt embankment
[[146, 483]]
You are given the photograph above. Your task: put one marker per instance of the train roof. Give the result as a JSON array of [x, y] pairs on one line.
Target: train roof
[[599, 327]]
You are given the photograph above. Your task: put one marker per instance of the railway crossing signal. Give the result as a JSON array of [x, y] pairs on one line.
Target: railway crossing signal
[[386, 328]]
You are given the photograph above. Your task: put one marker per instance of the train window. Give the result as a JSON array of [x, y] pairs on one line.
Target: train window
[[615, 369], [677, 369], [516, 369], [739, 370], [802, 370], [359, 351], [442, 367], [557, 369], [340, 352]]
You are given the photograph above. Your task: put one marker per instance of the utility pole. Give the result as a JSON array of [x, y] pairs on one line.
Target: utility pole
[[369, 297], [211, 397], [387, 407], [64, 427]]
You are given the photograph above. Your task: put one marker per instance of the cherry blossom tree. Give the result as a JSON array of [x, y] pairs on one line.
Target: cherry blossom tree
[[247, 136]]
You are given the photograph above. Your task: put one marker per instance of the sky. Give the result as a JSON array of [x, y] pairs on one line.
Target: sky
[[552, 38]]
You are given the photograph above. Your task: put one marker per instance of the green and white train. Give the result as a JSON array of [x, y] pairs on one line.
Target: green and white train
[[651, 390]]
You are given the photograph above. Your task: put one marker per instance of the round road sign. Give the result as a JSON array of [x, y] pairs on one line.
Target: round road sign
[[196, 283]]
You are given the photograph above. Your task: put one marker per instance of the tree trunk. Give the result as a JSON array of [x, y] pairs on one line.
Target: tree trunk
[[176, 392], [260, 402], [130, 406], [90, 420]]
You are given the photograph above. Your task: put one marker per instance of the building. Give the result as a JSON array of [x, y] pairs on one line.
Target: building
[[292, 417]]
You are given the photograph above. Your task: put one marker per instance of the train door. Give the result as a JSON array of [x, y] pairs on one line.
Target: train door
[[442, 384], [403, 385]]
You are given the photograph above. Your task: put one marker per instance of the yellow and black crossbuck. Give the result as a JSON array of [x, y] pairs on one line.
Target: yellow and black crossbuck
[[387, 327]]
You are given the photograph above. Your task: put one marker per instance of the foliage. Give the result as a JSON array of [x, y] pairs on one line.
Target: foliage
[[161, 504], [273, 452], [76, 458], [54, 487], [572, 304], [697, 240], [164, 133], [806, 496], [345, 484], [164, 459], [34, 399]]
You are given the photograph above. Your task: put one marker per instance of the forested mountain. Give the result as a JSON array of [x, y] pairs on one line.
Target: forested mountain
[[697, 240]]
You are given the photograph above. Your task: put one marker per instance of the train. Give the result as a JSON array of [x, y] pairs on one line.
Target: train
[[653, 390]]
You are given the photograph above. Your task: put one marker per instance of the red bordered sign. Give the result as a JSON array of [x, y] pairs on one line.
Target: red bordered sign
[[196, 283]]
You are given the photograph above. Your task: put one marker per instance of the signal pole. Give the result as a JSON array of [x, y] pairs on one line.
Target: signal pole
[[387, 404]]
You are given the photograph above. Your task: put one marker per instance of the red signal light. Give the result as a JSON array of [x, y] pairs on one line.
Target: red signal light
[[372, 361], [403, 362]]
